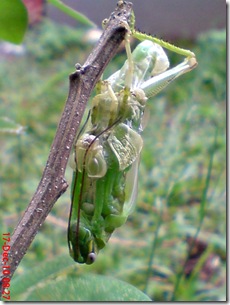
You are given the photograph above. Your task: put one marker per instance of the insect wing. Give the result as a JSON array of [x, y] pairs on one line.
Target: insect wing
[[131, 188], [126, 145]]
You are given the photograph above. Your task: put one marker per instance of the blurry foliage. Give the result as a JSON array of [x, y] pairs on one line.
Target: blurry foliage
[[179, 141], [48, 47]]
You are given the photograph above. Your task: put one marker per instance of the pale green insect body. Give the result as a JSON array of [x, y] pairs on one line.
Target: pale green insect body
[[149, 59], [107, 151]]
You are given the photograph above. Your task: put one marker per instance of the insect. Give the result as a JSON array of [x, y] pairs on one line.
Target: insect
[[107, 150]]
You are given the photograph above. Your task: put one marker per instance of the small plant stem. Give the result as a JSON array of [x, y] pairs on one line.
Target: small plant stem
[[153, 248], [72, 13], [202, 216]]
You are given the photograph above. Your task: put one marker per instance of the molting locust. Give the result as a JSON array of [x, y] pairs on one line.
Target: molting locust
[[108, 148]]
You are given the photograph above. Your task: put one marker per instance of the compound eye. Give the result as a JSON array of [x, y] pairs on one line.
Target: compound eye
[[91, 258]]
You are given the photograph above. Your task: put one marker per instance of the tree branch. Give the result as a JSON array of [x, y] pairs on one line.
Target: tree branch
[[53, 183]]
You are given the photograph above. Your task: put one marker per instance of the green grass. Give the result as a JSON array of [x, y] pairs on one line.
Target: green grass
[[186, 130]]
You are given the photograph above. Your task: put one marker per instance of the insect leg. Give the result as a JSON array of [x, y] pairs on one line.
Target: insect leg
[[155, 84], [142, 36], [129, 73]]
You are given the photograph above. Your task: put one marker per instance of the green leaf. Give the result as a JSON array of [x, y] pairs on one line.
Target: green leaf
[[13, 20], [41, 273], [89, 287], [61, 279]]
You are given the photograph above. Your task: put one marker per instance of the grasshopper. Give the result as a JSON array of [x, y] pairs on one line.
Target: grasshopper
[[108, 148]]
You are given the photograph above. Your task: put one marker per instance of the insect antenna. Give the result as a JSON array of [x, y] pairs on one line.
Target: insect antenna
[[73, 192], [84, 125], [70, 213]]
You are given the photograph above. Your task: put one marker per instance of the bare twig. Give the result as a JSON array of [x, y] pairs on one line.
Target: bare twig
[[53, 183]]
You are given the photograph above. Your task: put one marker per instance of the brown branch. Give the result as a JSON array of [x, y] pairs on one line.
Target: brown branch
[[53, 183]]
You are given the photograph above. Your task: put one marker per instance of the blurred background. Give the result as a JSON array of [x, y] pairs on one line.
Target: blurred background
[[169, 19], [182, 176]]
